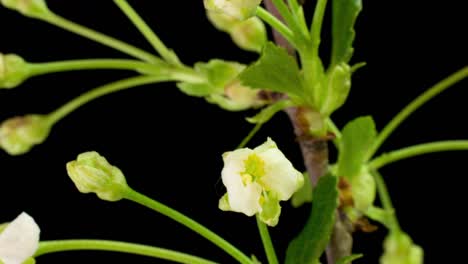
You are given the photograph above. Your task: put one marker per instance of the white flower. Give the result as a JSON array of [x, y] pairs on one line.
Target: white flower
[[240, 9], [257, 180], [19, 240]]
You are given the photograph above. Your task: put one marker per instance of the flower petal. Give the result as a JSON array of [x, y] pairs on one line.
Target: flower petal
[[19, 240], [280, 175], [242, 198]]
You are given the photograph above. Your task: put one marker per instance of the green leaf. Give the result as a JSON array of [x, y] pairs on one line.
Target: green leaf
[[310, 244], [268, 112], [338, 84], [304, 194], [357, 137], [345, 13], [348, 259], [276, 71]]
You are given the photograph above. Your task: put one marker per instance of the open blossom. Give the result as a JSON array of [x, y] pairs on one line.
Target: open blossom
[[257, 180], [19, 240], [240, 9]]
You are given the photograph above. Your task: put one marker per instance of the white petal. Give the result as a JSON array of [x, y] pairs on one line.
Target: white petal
[[243, 199], [20, 240], [280, 175]]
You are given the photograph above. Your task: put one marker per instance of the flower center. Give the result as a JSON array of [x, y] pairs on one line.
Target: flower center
[[254, 169]]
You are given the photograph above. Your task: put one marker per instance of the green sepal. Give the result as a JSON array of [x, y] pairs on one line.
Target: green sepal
[[304, 194], [380, 215], [271, 209], [344, 15], [276, 71], [337, 85], [364, 190], [218, 74], [348, 259], [223, 203], [357, 137], [268, 112], [310, 244]]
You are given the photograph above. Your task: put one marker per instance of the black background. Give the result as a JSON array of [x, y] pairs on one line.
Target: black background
[[169, 145]]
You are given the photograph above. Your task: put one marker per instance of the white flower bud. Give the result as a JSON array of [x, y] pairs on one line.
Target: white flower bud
[[257, 180], [19, 240], [19, 134], [240, 9], [91, 173]]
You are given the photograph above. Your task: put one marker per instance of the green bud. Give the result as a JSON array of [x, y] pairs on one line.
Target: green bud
[[91, 173], [13, 70], [221, 21], [30, 8], [19, 134], [400, 249], [364, 189], [237, 97], [249, 34], [239, 9]]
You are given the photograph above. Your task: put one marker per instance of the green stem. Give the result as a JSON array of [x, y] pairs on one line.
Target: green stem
[[149, 34], [91, 64], [188, 222], [316, 27], [69, 107], [250, 135], [284, 12], [101, 38], [277, 25], [416, 150], [335, 130], [47, 247], [266, 240], [414, 105], [386, 202]]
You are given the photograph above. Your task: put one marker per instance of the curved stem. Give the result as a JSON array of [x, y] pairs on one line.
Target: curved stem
[[266, 240], [47, 247], [250, 135], [149, 34], [386, 202], [188, 222], [91, 64], [277, 25], [414, 105], [416, 150], [69, 107], [101, 38]]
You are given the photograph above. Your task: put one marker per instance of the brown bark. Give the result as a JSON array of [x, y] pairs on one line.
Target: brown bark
[[315, 154]]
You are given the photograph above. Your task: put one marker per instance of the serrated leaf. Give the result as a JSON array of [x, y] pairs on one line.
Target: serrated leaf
[[304, 194], [276, 71], [268, 112], [357, 137], [345, 13], [310, 244], [348, 259]]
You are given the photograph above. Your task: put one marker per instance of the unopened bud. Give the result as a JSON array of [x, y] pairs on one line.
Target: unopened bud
[[237, 97], [399, 249], [19, 134], [240, 9], [92, 173], [249, 34], [31, 8], [13, 70]]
